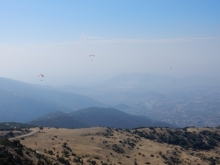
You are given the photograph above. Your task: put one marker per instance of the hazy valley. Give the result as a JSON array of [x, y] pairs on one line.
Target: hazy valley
[[178, 101], [190, 101]]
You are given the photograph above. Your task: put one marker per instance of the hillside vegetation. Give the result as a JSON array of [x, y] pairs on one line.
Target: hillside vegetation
[[13, 126], [14, 153], [105, 146]]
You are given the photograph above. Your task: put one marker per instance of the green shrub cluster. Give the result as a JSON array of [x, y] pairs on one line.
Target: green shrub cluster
[[204, 140]]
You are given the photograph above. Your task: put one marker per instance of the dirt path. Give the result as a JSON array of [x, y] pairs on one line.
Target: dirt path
[[25, 135]]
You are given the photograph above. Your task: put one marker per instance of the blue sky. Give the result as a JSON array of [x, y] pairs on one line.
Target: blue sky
[[56, 38]]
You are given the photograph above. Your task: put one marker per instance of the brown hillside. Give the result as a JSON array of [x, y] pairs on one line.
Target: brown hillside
[[104, 146]]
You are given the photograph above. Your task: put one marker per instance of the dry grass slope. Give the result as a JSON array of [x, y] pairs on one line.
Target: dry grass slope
[[105, 146]]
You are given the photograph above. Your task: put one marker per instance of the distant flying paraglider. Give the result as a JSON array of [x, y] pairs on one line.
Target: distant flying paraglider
[[91, 56], [41, 76]]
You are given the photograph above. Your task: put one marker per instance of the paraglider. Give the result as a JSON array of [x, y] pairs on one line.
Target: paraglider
[[41, 76], [91, 56]]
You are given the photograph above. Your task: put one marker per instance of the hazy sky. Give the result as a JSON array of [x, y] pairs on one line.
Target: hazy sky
[[55, 38]]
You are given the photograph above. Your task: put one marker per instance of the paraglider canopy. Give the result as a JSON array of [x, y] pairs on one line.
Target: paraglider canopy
[[41, 76], [91, 56]]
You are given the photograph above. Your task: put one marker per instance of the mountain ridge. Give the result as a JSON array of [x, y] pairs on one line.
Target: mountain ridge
[[96, 116], [22, 102]]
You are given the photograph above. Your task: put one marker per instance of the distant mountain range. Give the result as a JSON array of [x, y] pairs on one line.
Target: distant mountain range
[[94, 116], [192, 101], [186, 101], [22, 102], [130, 88], [133, 82]]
